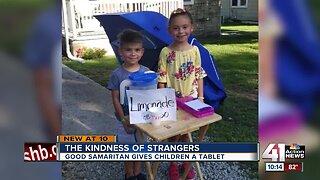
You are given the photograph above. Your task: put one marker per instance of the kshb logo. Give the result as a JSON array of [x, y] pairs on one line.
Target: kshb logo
[[280, 152]]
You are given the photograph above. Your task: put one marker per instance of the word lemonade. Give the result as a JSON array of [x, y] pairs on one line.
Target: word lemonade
[[140, 106], [166, 103], [83, 148], [147, 105]]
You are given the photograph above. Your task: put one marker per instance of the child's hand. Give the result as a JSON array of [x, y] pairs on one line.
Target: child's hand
[[201, 99], [129, 128]]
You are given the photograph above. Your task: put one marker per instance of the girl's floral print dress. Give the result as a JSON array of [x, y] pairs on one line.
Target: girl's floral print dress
[[181, 70]]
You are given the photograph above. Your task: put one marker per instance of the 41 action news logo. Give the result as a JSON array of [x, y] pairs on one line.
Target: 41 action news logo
[[280, 152]]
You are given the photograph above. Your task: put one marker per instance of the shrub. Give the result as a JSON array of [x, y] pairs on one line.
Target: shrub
[[91, 53]]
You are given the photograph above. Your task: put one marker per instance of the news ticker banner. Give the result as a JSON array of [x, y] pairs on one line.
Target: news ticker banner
[[104, 148], [157, 152]]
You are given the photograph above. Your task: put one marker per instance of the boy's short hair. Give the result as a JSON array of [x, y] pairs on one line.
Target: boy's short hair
[[130, 36]]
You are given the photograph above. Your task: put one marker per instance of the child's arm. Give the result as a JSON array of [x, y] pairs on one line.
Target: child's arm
[[200, 74], [200, 89], [116, 103], [117, 107], [162, 69]]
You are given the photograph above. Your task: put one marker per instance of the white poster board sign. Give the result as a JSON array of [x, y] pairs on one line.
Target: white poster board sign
[[140, 101]]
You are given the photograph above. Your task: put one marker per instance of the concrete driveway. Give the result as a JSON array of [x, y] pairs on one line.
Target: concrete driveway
[[87, 106]]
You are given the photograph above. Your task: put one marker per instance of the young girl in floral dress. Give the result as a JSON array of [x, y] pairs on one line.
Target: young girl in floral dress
[[180, 68]]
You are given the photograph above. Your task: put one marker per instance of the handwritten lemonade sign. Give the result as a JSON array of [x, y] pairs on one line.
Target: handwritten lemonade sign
[[140, 101]]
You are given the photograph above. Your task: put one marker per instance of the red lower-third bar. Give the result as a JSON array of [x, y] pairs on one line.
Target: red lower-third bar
[[40, 151]]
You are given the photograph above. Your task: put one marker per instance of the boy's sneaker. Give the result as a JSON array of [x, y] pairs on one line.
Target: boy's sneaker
[[173, 171], [141, 177], [191, 175]]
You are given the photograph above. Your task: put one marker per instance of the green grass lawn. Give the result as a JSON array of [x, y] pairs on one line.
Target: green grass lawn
[[98, 70], [236, 56]]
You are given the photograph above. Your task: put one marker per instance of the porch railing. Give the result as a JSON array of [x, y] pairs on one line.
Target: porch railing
[[80, 13]]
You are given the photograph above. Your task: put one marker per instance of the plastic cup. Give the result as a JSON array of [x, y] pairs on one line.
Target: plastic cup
[[155, 116]]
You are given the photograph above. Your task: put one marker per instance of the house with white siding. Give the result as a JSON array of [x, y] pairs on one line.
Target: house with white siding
[[243, 10], [81, 29]]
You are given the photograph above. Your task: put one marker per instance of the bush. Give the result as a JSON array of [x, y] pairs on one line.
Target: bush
[[91, 53]]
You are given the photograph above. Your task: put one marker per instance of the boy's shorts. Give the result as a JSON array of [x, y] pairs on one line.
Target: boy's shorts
[[123, 137]]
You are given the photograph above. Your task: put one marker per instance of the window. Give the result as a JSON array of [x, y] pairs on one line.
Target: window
[[188, 2], [239, 3]]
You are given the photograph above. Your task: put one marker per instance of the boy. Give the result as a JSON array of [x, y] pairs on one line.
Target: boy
[[131, 49]]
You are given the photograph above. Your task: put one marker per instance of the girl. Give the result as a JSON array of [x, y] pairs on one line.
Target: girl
[[180, 68]]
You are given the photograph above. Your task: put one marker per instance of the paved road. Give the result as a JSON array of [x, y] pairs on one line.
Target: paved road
[[87, 106]]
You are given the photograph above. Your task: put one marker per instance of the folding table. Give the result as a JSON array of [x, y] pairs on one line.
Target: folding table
[[185, 124]]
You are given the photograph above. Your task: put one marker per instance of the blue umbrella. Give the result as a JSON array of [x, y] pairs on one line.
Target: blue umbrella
[[154, 27]]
